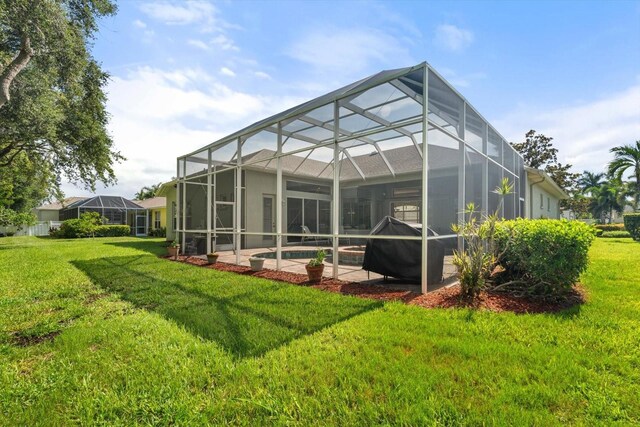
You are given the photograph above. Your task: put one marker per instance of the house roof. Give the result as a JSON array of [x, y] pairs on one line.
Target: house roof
[[152, 203], [402, 160], [166, 186], [541, 178], [56, 206], [114, 202]]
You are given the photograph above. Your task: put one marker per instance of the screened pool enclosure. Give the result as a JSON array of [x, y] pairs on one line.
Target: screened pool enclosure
[[326, 172], [115, 210]]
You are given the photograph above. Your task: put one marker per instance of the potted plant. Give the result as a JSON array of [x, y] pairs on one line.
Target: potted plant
[[257, 263], [212, 257], [174, 249], [315, 267]]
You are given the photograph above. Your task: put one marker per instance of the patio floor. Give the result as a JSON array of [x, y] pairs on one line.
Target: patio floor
[[348, 273]]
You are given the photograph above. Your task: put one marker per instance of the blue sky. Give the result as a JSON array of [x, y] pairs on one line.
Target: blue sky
[[187, 73]]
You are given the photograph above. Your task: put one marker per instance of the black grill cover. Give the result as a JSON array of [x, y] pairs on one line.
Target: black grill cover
[[402, 258]]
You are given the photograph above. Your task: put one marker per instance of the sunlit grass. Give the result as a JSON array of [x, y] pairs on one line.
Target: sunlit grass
[[138, 339]]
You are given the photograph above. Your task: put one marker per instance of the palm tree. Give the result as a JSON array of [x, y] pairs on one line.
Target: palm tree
[[589, 180], [610, 196], [627, 157], [147, 192]]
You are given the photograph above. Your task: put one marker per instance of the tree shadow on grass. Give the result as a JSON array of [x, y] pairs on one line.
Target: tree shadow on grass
[[247, 316], [150, 246]]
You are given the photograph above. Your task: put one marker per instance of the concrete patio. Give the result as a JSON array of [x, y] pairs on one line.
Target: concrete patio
[[349, 273]]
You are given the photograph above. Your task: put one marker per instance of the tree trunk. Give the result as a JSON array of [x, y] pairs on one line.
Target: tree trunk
[[14, 67]]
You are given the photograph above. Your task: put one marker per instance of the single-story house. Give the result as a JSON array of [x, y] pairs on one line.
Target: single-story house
[[156, 211], [51, 211], [544, 195], [116, 210]]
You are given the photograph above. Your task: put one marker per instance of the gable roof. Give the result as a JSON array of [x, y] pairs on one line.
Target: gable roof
[[56, 206], [152, 203]]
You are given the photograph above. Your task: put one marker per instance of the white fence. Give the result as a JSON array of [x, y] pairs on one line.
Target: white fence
[[40, 229]]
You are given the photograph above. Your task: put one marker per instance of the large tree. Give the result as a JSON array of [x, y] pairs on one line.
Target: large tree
[[52, 103], [538, 152], [589, 180], [627, 157]]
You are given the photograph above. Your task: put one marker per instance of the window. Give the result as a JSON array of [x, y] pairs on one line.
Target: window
[[548, 204], [406, 211], [541, 201], [304, 187], [356, 214], [156, 222]]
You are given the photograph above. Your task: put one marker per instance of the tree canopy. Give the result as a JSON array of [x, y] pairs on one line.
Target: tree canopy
[[52, 102], [627, 157], [147, 192], [539, 152]]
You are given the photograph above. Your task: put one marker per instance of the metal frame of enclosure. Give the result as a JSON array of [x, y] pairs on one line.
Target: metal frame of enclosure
[[115, 210], [334, 166]]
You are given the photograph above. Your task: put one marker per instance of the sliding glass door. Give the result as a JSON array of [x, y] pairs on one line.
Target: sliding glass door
[[307, 216]]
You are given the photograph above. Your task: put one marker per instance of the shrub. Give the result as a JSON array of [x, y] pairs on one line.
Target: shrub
[[158, 232], [632, 224], [610, 227], [85, 226], [599, 232], [112, 231], [542, 257], [611, 234], [475, 262]]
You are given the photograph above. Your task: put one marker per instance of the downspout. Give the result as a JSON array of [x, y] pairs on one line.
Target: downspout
[[531, 195]]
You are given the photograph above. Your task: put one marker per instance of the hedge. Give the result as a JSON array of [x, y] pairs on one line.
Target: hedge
[[112, 231], [632, 224], [610, 227], [89, 225], [542, 256], [612, 234]]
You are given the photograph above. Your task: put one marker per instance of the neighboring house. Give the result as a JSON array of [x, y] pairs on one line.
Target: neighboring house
[[116, 210], [156, 210], [168, 191], [543, 195], [51, 211]]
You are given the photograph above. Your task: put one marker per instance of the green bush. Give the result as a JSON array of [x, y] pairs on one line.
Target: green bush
[[543, 257], [112, 231], [610, 227], [599, 232], [85, 226], [616, 234], [632, 224], [157, 232]]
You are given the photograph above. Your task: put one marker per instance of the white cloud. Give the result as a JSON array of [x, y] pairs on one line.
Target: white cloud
[[227, 72], [262, 75], [139, 24], [158, 115], [453, 38], [224, 42], [461, 80], [198, 44], [584, 133], [189, 12], [351, 51]]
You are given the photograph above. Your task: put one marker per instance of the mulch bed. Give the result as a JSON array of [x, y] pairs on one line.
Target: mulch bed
[[447, 297]]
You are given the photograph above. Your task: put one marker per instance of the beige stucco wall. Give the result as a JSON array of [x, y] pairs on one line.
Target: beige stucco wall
[[47, 215], [549, 208], [258, 185], [170, 194]]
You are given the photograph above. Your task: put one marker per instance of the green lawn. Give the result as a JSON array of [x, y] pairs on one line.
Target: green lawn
[[134, 339]]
